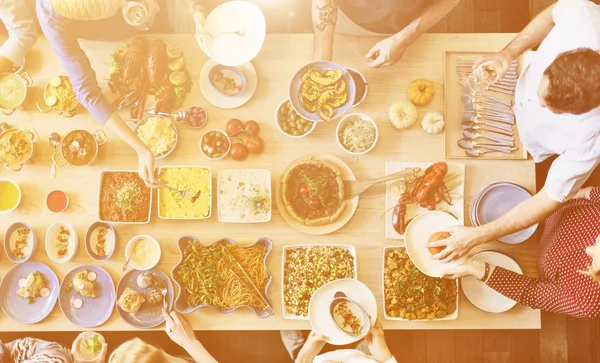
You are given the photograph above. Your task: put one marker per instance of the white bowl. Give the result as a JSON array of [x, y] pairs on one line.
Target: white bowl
[[226, 136], [351, 117], [130, 245], [285, 133], [51, 242], [18, 200]]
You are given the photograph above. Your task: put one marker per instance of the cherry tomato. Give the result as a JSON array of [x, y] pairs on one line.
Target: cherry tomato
[[312, 204], [211, 150], [205, 147], [225, 144], [239, 152], [218, 142], [255, 144], [234, 127], [303, 190], [252, 128], [208, 139]]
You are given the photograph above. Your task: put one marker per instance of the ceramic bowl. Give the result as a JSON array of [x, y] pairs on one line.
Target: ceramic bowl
[[111, 241], [7, 242], [18, 200], [131, 245], [51, 243], [351, 117], [314, 124], [228, 72]]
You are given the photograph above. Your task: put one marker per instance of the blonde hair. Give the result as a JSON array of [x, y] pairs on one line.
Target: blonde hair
[[136, 350], [87, 9]]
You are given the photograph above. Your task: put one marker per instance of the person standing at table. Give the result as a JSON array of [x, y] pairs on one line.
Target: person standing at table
[[64, 21], [22, 33], [403, 21], [568, 263], [557, 108]]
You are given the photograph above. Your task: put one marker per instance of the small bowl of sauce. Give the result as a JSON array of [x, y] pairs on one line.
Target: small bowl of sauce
[[145, 250], [10, 195], [57, 201]]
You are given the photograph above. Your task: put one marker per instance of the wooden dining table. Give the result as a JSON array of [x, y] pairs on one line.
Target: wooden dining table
[[280, 58]]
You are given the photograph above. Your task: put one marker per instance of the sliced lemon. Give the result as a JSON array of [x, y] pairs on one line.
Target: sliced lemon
[[178, 78], [174, 51], [55, 81], [51, 101], [120, 50], [176, 65]]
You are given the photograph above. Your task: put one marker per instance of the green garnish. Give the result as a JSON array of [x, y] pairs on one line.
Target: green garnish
[[93, 345]]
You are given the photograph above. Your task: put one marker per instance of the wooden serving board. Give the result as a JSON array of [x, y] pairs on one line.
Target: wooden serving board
[[454, 108]]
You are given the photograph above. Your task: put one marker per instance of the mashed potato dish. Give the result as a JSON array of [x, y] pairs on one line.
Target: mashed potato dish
[[158, 133], [192, 179]]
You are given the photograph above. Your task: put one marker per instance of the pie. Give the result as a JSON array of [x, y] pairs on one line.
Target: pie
[[313, 192]]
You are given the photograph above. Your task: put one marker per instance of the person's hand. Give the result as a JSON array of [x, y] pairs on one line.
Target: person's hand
[[179, 330], [504, 58], [146, 167], [377, 344], [583, 193], [200, 25], [386, 52], [312, 347], [460, 242]]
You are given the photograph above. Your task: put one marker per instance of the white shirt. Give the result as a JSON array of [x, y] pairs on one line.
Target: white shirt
[[22, 32], [575, 138], [348, 356]]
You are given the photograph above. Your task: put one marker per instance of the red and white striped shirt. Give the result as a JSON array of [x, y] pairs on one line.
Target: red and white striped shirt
[[561, 288]]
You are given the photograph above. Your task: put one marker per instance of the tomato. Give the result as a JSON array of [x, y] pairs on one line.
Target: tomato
[[239, 152], [252, 128], [312, 204], [255, 144], [208, 139], [210, 151], [234, 127], [437, 236], [225, 144], [303, 190]]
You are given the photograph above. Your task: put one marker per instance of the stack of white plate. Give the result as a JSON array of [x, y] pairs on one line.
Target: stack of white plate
[[495, 200]]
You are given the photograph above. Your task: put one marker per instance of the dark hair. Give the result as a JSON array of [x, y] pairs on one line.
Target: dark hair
[[574, 81]]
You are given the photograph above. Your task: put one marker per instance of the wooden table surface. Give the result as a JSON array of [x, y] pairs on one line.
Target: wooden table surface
[[280, 58]]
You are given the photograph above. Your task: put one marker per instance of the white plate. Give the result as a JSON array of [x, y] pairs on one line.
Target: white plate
[[227, 48], [417, 234], [51, 241], [220, 100], [483, 296], [287, 315], [209, 188], [263, 177], [318, 308], [452, 316], [457, 208]]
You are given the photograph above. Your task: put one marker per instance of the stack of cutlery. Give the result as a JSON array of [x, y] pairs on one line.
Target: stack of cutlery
[[487, 121]]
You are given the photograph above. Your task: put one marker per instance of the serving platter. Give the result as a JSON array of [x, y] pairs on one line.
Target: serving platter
[[149, 316], [452, 316], [202, 195], [285, 313], [351, 204], [102, 174], [412, 210], [180, 304], [15, 306], [266, 174]]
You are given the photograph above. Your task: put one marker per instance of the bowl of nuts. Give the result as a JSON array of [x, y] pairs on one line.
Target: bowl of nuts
[[290, 123]]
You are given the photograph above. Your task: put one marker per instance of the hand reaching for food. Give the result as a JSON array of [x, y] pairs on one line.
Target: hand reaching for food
[[458, 244], [178, 329], [386, 53]]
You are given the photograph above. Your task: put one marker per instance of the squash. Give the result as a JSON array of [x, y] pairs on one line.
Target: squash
[[433, 123], [420, 92], [403, 114]]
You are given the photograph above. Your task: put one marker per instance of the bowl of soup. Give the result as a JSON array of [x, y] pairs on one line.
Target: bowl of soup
[[13, 91], [80, 147], [10, 195], [16, 146], [145, 250]]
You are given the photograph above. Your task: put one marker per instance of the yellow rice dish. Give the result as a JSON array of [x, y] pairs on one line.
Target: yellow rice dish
[[158, 134], [173, 206]]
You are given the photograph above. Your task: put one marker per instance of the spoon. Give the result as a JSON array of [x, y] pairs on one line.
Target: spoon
[[488, 128], [55, 142], [126, 265], [474, 134], [239, 32], [164, 294], [468, 144], [478, 151]]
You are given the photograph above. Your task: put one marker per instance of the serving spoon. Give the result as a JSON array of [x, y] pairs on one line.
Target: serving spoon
[[55, 142], [353, 188]]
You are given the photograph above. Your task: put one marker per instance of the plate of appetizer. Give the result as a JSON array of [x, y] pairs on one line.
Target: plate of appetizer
[[28, 292], [244, 196], [61, 242], [123, 198], [409, 294], [219, 99], [438, 186], [306, 268], [87, 296], [310, 194], [100, 241], [196, 182], [20, 242], [141, 297], [210, 276]]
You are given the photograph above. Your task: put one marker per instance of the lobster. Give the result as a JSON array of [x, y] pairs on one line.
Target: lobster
[[136, 55], [427, 191], [157, 63], [165, 97]]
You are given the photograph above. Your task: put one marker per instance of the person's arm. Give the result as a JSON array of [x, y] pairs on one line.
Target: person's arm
[[181, 332], [529, 291], [22, 33], [390, 50], [311, 348], [324, 15]]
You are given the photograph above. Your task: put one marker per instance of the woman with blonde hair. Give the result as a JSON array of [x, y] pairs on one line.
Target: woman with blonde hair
[[568, 263], [180, 332], [64, 21]]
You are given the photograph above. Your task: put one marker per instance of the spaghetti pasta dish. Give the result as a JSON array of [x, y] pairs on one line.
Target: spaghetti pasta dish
[[208, 275]]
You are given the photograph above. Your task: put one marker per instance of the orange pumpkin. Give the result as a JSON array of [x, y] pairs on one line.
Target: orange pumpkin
[[420, 91]]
